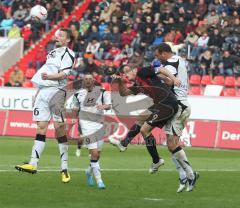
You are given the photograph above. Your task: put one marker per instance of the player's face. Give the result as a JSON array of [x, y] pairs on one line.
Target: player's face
[[161, 56], [61, 39], [88, 81], [130, 73]]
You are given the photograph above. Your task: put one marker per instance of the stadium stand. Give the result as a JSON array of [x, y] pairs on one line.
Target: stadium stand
[[111, 33]]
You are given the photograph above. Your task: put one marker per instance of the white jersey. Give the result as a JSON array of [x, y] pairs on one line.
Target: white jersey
[[178, 67], [59, 59], [86, 102]]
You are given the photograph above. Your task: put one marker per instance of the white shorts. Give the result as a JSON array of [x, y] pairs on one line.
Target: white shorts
[[93, 137], [49, 103], [177, 124]]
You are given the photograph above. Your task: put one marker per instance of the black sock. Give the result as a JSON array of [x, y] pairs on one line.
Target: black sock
[[151, 147], [79, 145], [135, 129]]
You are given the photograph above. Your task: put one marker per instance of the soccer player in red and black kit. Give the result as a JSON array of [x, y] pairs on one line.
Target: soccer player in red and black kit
[[164, 106]]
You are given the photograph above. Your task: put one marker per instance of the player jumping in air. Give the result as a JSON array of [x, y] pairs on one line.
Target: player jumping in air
[[90, 102], [51, 79], [164, 108], [177, 66]]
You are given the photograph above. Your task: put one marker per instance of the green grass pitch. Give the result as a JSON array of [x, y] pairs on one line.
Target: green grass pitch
[[125, 174]]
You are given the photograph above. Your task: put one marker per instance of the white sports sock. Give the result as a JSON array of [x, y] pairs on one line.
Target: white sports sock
[[89, 170], [96, 171], [182, 173], [37, 150], [63, 149], [183, 161]]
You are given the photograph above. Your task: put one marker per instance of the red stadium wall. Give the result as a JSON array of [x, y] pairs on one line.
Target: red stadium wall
[[198, 133]]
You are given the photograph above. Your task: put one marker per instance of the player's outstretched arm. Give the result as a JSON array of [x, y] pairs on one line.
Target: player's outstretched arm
[[57, 76], [165, 72], [167, 80]]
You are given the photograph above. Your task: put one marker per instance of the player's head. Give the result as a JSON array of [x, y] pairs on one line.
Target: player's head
[[130, 72], [63, 37], [88, 80], [163, 52]]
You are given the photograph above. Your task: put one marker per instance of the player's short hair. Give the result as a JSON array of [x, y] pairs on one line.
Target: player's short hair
[[68, 32], [164, 47]]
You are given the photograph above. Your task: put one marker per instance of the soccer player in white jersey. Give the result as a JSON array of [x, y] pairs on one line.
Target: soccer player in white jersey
[[50, 80], [91, 101], [177, 66]]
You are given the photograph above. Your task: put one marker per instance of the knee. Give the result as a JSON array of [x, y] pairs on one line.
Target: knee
[[94, 155], [143, 132]]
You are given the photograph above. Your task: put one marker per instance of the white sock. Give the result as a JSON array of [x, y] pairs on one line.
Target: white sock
[[37, 150], [63, 149], [182, 173], [183, 161], [96, 171], [89, 170]]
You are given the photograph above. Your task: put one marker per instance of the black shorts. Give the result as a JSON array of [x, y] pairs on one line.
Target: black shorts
[[162, 113]]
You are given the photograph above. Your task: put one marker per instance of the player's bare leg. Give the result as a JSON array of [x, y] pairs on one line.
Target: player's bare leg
[[63, 149], [146, 131], [37, 149]]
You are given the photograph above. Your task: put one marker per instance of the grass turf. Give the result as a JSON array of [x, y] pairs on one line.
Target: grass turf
[[131, 186]]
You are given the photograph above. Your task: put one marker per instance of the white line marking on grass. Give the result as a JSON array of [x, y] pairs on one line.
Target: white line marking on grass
[[153, 199], [53, 169]]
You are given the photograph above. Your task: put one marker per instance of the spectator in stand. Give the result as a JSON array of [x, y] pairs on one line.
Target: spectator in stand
[[103, 51], [14, 32], [21, 13], [105, 14], [102, 27], [213, 16], [91, 67], [93, 34], [6, 24], [158, 37], [191, 38], [127, 36], [93, 46], [116, 36], [206, 58], [200, 46], [228, 64], [16, 77], [126, 6], [75, 22], [147, 38], [201, 9], [215, 40], [92, 5]]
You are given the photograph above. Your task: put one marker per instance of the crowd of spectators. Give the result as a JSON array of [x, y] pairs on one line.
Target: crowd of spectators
[[205, 32]]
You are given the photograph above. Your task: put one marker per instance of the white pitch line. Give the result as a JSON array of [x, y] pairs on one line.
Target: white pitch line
[[44, 169], [153, 199]]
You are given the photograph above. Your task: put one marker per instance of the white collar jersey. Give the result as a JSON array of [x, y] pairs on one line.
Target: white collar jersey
[[178, 67], [87, 101], [58, 60]]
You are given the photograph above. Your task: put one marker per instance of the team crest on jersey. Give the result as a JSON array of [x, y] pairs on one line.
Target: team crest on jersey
[[52, 54]]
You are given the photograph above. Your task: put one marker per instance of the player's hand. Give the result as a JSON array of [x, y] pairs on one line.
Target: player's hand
[[177, 82], [100, 107], [44, 76]]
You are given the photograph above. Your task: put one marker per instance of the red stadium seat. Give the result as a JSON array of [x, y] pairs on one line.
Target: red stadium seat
[[218, 80], [27, 84], [230, 81], [195, 91], [238, 92], [206, 80], [29, 73], [231, 92], [195, 79], [1, 81], [106, 86], [238, 82]]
